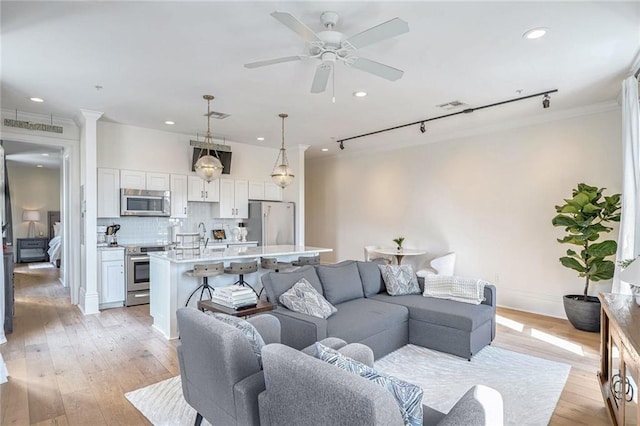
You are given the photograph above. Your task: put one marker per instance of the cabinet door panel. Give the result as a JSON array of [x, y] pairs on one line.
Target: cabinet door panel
[[132, 179], [108, 192], [178, 195], [195, 188], [227, 196], [112, 281], [241, 199], [212, 191], [272, 192], [256, 190], [157, 181]]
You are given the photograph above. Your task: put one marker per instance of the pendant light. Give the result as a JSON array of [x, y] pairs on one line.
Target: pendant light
[[282, 174], [208, 167]]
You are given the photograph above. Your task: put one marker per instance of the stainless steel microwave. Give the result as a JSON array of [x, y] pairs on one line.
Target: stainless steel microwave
[[140, 202]]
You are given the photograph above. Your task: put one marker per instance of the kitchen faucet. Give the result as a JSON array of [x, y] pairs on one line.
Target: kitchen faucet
[[204, 231]]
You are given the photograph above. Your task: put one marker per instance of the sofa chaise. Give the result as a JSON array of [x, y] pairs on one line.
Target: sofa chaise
[[367, 314]]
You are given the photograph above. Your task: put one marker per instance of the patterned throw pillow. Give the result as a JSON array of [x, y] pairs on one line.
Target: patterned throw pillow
[[304, 299], [399, 279], [407, 396], [247, 329]]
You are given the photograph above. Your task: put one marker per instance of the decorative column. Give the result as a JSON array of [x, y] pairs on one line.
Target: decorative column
[[300, 198], [88, 296]]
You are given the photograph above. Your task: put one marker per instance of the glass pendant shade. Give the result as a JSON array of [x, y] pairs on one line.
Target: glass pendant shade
[[208, 167], [282, 175]]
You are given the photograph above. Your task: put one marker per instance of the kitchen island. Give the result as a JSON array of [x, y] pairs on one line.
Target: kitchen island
[[170, 286]]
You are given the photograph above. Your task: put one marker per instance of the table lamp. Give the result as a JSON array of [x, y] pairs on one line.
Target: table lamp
[[631, 275], [31, 216]]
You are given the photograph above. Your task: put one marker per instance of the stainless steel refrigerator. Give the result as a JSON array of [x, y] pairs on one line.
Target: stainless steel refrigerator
[[271, 223]]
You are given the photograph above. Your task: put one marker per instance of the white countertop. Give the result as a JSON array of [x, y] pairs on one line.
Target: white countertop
[[233, 253]]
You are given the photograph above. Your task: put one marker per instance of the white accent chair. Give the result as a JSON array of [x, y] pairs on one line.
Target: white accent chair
[[442, 265], [371, 254]]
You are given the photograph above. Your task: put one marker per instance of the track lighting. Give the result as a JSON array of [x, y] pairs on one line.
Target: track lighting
[[546, 102]]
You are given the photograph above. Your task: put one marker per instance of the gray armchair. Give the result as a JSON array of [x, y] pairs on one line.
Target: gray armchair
[[221, 376], [304, 390]]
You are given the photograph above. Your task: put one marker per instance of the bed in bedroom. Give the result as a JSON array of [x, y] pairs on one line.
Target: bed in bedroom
[[55, 237]]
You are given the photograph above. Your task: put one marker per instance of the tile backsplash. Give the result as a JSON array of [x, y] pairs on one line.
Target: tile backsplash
[[145, 230]]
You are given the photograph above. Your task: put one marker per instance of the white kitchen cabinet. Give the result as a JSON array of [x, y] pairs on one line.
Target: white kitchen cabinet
[[179, 194], [264, 191], [256, 190], [234, 199], [111, 284], [108, 192], [272, 192], [158, 181], [200, 190], [152, 181]]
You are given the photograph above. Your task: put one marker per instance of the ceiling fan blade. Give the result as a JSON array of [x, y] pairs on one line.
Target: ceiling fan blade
[[376, 68], [295, 25], [273, 61], [386, 30], [321, 78]]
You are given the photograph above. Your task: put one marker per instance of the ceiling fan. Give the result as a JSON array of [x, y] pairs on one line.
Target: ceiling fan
[[331, 46]]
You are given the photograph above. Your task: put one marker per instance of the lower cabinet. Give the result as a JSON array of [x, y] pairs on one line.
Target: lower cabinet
[[111, 284]]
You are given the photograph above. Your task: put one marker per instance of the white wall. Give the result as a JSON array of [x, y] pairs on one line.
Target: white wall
[[490, 198], [32, 188]]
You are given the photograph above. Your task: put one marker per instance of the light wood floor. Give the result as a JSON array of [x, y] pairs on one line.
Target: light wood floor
[[70, 369]]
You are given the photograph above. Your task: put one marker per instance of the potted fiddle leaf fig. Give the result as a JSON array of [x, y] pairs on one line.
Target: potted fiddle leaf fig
[[399, 242], [584, 217]]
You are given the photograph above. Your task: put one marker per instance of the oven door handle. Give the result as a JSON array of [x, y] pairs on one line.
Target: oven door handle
[[139, 258]]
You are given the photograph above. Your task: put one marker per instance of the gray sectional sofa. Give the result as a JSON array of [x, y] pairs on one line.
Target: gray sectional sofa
[[368, 315]]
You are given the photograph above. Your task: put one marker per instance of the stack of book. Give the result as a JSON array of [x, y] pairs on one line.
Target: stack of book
[[234, 296]]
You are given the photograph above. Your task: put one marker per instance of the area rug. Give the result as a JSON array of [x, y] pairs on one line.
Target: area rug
[[43, 265], [530, 386]]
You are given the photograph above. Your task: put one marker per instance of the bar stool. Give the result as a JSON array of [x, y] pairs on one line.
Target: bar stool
[[273, 264], [307, 260], [241, 268], [205, 271]]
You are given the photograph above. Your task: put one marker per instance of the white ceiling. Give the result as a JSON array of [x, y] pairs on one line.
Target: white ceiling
[[155, 60]]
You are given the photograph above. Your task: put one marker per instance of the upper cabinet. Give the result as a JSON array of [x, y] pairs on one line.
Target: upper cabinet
[[179, 192], [133, 179], [108, 192], [200, 190], [234, 199], [267, 191]]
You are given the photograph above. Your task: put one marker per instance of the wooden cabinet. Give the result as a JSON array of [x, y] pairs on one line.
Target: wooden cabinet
[[234, 199], [200, 190], [619, 373], [31, 250], [152, 181], [179, 195], [108, 192], [264, 191], [111, 284], [8, 293]]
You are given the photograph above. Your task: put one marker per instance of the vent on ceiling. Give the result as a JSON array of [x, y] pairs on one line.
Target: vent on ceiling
[[452, 105], [218, 115]]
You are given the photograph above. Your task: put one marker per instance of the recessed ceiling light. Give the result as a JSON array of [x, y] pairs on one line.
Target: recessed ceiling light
[[169, 122], [37, 99], [325, 149], [360, 94], [260, 138], [535, 33], [39, 165], [44, 154]]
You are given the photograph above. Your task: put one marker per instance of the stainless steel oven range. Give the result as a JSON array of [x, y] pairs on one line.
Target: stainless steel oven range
[[137, 273]]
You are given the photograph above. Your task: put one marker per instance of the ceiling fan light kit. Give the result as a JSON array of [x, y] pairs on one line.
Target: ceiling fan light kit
[[282, 174], [330, 47], [208, 167]]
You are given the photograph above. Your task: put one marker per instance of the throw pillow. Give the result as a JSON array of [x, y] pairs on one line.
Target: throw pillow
[[247, 329], [408, 396], [276, 283], [304, 299], [468, 290], [399, 279], [341, 281]]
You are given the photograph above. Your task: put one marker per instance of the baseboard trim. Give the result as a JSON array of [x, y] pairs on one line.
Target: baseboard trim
[[542, 304]]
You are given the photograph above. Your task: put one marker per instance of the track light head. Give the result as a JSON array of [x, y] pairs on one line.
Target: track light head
[[546, 101], [423, 128], [341, 145]]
